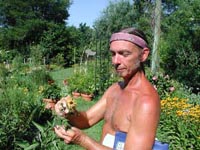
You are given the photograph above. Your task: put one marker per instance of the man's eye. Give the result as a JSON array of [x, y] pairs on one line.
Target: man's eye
[[125, 54], [112, 54]]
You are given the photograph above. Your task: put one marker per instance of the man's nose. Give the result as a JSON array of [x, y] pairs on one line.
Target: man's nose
[[116, 59]]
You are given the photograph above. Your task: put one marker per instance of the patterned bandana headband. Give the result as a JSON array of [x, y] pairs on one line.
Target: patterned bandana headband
[[128, 37]]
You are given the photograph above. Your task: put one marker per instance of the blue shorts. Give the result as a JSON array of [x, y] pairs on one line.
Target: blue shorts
[[120, 138]]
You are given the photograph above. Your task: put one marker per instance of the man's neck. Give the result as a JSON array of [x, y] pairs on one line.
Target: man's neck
[[134, 79]]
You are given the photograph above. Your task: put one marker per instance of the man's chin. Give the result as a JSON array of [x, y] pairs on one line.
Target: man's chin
[[121, 74]]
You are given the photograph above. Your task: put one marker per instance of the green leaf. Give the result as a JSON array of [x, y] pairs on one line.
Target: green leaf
[[33, 146], [39, 127], [22, 144]]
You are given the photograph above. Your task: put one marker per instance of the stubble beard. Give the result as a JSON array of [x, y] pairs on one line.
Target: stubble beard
[[134, 69], [130, 72]]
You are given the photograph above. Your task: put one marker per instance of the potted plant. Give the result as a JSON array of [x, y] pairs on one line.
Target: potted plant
[[73, 83], [87, 87], [51, 94], [83, 83]]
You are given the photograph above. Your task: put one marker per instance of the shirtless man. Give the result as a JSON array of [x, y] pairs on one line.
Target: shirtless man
[[131, 106]]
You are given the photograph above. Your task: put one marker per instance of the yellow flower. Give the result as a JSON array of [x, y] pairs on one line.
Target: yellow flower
[[175, 98], [179, 112], [25, 90], [41, 89]]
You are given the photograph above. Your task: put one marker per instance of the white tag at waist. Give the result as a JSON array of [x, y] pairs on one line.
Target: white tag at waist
[[109, 140]]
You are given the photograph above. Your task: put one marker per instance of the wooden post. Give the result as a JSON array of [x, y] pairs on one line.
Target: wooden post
[[155, 55]]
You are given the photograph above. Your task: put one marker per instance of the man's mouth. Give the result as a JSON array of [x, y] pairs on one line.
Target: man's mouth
[[119, 69]]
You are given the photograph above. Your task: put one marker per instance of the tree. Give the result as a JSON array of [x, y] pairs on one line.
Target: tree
[[23, 22], [180, 42], [116, 16], [85, 35]]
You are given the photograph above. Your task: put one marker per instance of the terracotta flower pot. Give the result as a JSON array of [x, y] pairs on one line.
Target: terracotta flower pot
[[49, 103], [76, 94], [87, 97]]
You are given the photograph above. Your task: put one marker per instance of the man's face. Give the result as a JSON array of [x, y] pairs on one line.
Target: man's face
[[125, 58]]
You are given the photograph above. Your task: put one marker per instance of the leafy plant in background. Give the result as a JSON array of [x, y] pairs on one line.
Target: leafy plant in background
[[45, 137], [83, 79], [4, 73], [92, 78], [19, 93], [162, 83], [179, 124], [40, 75], [52, 91], [186, 92], [82, 82]]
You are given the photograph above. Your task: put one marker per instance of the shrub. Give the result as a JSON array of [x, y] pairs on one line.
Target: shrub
[[162, 83], [20, 105], [40, 76], [52, 91], [83, 82], [83, 79], [3, 75], [58, 60]]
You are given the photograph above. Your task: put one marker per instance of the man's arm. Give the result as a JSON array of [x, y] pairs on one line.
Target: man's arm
[[144, 121], [90, 117], [82, 119]]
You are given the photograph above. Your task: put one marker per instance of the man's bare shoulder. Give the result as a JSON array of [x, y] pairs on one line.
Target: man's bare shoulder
[[147, 98], [148, 94], [115, 86], [148, 104]]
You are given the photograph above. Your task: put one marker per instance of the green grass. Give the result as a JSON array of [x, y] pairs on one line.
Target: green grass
[[93, 132], [60, 75]]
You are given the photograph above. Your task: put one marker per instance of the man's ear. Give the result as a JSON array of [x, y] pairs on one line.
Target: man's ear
[[144, 54]]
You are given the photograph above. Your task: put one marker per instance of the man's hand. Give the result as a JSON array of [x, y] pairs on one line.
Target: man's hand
[[64, 106], [72, 135]]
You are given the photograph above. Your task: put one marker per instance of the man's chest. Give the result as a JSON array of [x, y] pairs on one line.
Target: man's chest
[[119, 112]]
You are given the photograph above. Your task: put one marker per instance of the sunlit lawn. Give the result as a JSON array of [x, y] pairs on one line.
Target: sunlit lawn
[[61, 74]]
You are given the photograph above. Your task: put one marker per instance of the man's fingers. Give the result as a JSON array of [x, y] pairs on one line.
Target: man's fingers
[[66, 135], [70, 132], [59, 132]]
